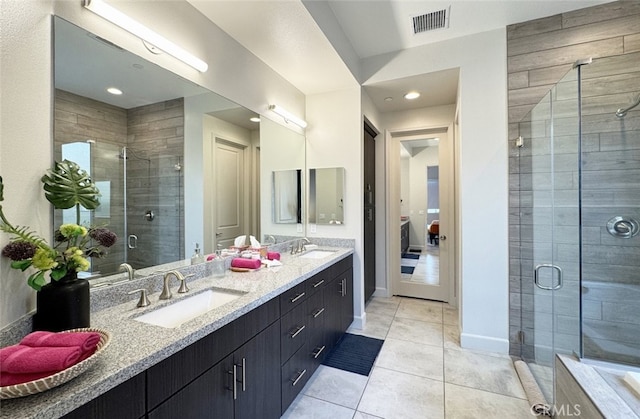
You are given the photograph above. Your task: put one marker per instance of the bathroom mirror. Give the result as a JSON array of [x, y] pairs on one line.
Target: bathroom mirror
[[326, 196], [133, 145], [282, 163], [287, 197]]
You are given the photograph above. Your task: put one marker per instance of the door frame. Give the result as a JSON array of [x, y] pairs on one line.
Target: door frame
[[392, 203]]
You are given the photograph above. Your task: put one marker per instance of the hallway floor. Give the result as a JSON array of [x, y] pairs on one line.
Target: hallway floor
[[421, 372], [426, 268]]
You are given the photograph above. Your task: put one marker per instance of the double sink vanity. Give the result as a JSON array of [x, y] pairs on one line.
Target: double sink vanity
[[238, 346]]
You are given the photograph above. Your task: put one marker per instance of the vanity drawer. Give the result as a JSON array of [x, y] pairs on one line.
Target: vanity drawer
[[318, 281], [293, 328], [295, 374], [293, 297], [342, 265]]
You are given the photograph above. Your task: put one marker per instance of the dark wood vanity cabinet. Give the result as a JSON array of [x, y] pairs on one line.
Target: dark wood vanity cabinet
[[253, 367]]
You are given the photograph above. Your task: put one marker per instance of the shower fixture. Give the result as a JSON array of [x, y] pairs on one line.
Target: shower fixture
[[622, 112]]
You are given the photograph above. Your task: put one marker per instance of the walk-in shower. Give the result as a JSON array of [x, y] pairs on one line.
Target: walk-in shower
[[141, 201], [577, 210]]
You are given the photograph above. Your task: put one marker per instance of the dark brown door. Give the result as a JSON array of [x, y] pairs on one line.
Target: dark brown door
[[369, 211]]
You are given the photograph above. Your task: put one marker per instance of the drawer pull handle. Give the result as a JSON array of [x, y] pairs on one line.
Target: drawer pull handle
[[297, 297], [300, 375], [317, 313], [318, 352], [297, 332], [317, 284]]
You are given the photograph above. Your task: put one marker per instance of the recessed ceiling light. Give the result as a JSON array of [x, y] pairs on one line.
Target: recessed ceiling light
[[114, 91], [254, 119], [388, 99], [412, 95]]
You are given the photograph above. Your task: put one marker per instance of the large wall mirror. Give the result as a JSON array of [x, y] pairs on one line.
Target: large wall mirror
[[133, 145], [326, 196]]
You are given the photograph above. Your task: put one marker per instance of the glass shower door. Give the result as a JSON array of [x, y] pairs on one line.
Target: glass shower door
[[549, 230]]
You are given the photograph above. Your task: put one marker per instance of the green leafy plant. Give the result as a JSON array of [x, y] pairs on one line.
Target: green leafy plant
[[66, 186]]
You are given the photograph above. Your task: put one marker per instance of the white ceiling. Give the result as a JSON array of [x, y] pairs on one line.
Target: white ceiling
[[283, 34]]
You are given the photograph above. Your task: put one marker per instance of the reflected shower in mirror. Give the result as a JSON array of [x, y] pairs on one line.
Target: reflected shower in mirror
[[287, 197], [132, 142], [326, 196]]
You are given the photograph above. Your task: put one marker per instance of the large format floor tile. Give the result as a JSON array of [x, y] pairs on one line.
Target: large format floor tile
[[427, 311], [305, 407], [470, 403], [377, 326], [423, 360], [416, 331], [391, 394], [336, 386], [484, 372]]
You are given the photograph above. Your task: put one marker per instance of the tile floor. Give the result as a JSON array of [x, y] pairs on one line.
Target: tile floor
[[421, 372], [427, 267]]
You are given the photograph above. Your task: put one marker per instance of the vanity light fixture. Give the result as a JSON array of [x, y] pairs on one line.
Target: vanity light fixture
[[412, 95], [118, 18], [288, 116]]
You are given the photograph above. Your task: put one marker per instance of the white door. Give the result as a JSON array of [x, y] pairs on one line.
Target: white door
[[229, 183], [439, 263]]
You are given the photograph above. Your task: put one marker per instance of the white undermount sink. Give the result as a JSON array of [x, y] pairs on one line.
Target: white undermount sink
[[317, 254], [182, 311]]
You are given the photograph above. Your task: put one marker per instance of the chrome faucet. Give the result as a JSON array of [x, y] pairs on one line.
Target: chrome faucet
[[166, 291], [301, 245], [128, 268]]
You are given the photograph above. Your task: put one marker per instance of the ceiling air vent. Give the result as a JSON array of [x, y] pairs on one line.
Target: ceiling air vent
[[431, 21]]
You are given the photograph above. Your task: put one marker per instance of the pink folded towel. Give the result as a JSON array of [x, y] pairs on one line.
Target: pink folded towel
[[87, 341], [246, 263], [20, 359], [8, 379], [273, 255]]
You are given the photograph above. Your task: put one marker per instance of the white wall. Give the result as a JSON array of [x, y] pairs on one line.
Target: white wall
[[27, 98], [25, 136], [483, 171], [334, 139]]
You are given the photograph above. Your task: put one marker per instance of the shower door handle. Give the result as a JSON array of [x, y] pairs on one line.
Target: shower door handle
[[132, 241], [536, 277]]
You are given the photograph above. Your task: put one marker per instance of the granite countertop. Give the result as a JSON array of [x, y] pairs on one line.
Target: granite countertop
[[136, 346]]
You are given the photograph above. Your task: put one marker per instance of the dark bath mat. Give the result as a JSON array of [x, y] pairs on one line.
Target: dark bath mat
[[410, 256], [354, 353], [407, 269]]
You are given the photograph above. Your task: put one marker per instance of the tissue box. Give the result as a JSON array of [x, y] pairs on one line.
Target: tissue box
[[261, 249], [239, 248]]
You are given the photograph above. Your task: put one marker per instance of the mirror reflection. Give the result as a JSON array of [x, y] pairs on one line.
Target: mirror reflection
[[287, 197], [282, 156], [132, 142], [326, 196]]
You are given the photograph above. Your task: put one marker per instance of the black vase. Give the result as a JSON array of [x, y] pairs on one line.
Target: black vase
[[63, 305]]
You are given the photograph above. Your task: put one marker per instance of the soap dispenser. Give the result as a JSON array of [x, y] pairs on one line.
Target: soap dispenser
[[197, 257]]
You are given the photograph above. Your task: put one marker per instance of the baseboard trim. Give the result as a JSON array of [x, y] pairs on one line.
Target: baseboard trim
[[484, 343], [359, 321]]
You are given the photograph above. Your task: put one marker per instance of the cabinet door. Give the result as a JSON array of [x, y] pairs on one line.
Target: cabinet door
[[333, 304], [346, 303], [124, 401], [258, 376], [208, 396]]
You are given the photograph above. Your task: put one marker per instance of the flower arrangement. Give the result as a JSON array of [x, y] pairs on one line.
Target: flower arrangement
[[66, 186]]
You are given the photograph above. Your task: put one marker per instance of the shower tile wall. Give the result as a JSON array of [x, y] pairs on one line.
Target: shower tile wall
[[540, 53], [611, 185], [155, 143], [154, 135], [78, 119]]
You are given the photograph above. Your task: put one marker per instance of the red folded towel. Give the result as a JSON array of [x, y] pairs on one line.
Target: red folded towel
[[8, 379], [87, 341], [20, 359], [246, 263], [273, 255]]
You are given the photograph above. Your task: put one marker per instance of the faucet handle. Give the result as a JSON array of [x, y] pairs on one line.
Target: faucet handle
[[183, 284], [144, 300]]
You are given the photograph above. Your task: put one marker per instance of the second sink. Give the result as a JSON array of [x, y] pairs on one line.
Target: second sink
[[189, 308]]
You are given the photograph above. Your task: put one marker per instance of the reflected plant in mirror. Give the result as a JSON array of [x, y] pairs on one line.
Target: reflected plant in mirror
[[326, 196]]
